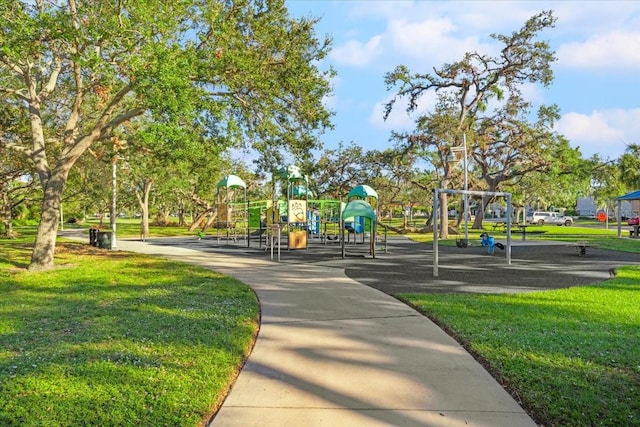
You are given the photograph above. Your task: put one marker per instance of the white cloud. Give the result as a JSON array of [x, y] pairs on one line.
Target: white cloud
[[597, 44], [429, 41], [606, 132], [614, 50], [356, 53], [473, 17]]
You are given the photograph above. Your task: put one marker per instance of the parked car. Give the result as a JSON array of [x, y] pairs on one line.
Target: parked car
[[635, 220], [541, 218]]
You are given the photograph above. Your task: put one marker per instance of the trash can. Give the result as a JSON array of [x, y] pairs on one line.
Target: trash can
[[105, 240], [93, 236]]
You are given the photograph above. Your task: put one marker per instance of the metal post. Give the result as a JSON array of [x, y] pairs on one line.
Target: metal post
[[509, 213], [436, 194], [114, 206], [466, 188], [619, 218], [275, 239], [465, 163], [342, 242]]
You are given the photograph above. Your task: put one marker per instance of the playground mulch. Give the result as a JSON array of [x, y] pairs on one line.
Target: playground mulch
[[407, 266], [535, 266]]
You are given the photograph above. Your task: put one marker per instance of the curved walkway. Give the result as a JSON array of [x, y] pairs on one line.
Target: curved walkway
[[334, 352]]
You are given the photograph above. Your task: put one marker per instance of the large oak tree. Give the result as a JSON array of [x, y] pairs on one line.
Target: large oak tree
[[240, 69], [468, 88]]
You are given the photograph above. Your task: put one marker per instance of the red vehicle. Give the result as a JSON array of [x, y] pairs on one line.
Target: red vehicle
[[634, 221]]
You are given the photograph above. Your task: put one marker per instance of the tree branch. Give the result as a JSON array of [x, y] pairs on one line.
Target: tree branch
[[18, 148], [15, 93]]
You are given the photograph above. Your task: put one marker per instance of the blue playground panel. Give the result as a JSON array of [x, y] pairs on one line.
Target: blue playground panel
[[313, 221], [356, 226]]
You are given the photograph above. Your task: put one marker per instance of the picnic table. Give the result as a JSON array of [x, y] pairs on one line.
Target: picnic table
[[522, 229], [499, 225]]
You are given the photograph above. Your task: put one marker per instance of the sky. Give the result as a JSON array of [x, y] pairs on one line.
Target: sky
[[597, 72]]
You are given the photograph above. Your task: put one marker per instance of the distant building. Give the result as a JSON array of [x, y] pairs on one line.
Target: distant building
[[586, 207]]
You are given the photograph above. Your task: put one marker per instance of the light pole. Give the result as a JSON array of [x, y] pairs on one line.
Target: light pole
[[463, 148], [114, 205]]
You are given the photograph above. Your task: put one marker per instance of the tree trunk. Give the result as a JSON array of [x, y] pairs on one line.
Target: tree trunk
[[5, 215], [163, 217], [7, 225], [484, 202], [477, 223], [212, 218], [204, 220], [143, 202], [430, 218], [144, 222], [42, 257], [461, 214], [199, 220]]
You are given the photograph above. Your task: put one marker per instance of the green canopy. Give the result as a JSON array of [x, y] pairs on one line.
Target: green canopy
[[362, 191], [291, 173], [302, 191], [231, 181], [362, 209], [358, 208]]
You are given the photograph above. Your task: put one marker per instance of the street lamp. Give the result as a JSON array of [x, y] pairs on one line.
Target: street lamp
[[114, 205], [463, 149]]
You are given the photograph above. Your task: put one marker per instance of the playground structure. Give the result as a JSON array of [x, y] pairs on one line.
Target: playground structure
[[289, 217], [356, 224], [360, 215], [489, 242], [297, 218], [324, 219], [231, 207]]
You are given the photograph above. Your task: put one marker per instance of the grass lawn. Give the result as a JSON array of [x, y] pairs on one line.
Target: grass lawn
[[130, 228], [121, 339], [571, 356], [598, 237], [114, 338]]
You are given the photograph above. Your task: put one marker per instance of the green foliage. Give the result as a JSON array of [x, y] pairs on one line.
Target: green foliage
[[503, 146], [570, 354], [206, 76], [477, 78], [630, 167], [117, 339]]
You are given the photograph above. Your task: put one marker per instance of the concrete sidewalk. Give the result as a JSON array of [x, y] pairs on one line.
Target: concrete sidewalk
[[333, 352]]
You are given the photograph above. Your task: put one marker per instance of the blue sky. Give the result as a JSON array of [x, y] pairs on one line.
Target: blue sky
[[597, 73]]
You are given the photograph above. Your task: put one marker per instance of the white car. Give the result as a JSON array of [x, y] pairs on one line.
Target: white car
[[541, 218]]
